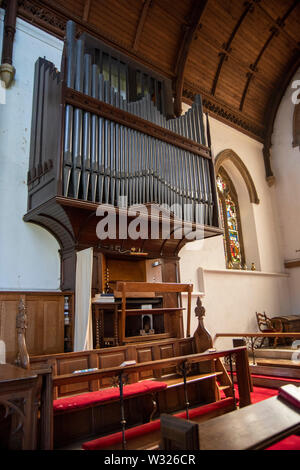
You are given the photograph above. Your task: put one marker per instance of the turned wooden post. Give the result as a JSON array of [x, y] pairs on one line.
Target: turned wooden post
[[189, 306]]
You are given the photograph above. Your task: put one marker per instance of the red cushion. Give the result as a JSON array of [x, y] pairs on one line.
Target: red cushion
[[91, 398], [289, 443], [116, 438], [206, 409]]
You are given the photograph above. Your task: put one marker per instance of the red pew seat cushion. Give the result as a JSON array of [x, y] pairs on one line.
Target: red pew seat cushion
[[289, 443], [108, 394], [148, 428]]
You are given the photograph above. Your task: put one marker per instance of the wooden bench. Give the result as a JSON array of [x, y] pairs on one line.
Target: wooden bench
[[147, 436], [65, 422]]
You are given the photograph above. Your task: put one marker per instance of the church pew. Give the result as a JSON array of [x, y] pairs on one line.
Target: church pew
[[158, 360], [97, 420], [147, 436]]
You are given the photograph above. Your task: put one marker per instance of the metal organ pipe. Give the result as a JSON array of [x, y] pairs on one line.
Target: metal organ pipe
[[70, 77], [104, 160]]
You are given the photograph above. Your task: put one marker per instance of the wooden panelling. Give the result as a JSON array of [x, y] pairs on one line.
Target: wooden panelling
[[167, 351], [45, 318], [110, 360], [145, 355], [112, 357], [67, 366]]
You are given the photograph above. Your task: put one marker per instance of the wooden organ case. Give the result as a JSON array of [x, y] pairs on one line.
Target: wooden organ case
[[103, 133]]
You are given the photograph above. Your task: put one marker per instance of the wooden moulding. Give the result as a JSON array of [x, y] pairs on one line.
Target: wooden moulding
[[107, 111], [288, 264]]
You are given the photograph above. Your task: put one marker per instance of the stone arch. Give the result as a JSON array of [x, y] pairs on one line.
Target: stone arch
[[229, 154]]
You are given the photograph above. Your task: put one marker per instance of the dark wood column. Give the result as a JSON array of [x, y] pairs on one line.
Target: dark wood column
[[68, 269]]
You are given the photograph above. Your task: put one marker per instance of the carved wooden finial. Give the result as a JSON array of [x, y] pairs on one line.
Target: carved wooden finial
[[203, 340], [199, 310], [21, 325]]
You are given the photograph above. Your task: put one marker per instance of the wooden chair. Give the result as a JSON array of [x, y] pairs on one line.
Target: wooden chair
[[265, 326]]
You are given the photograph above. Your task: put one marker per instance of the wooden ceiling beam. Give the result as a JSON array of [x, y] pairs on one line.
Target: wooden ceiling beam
[[227, 49], [141, 22], [279, 22], [220, 49], [275, 31], [189, 30], [86, 11]]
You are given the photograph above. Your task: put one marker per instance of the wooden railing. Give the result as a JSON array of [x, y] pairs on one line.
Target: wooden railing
[[253, 336], [242, 369]]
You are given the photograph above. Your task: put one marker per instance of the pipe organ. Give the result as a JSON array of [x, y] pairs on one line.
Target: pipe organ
[[112, 147], [104, 132]]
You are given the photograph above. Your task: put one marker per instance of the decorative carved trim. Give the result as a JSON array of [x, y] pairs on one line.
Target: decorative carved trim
[[21, 324], [230, 155], [223, 113]]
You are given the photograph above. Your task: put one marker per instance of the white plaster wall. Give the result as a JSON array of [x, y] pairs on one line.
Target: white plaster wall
[[28, 254], [231, 298], [250, 151], [285, 161]]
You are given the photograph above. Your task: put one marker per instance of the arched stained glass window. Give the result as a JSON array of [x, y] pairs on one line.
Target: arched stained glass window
[[230, 221]]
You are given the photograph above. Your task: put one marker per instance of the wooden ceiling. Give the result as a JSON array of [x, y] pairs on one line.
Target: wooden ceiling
[[238, 54]]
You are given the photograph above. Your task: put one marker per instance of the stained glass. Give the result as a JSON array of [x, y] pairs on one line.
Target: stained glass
[[232, 222]]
